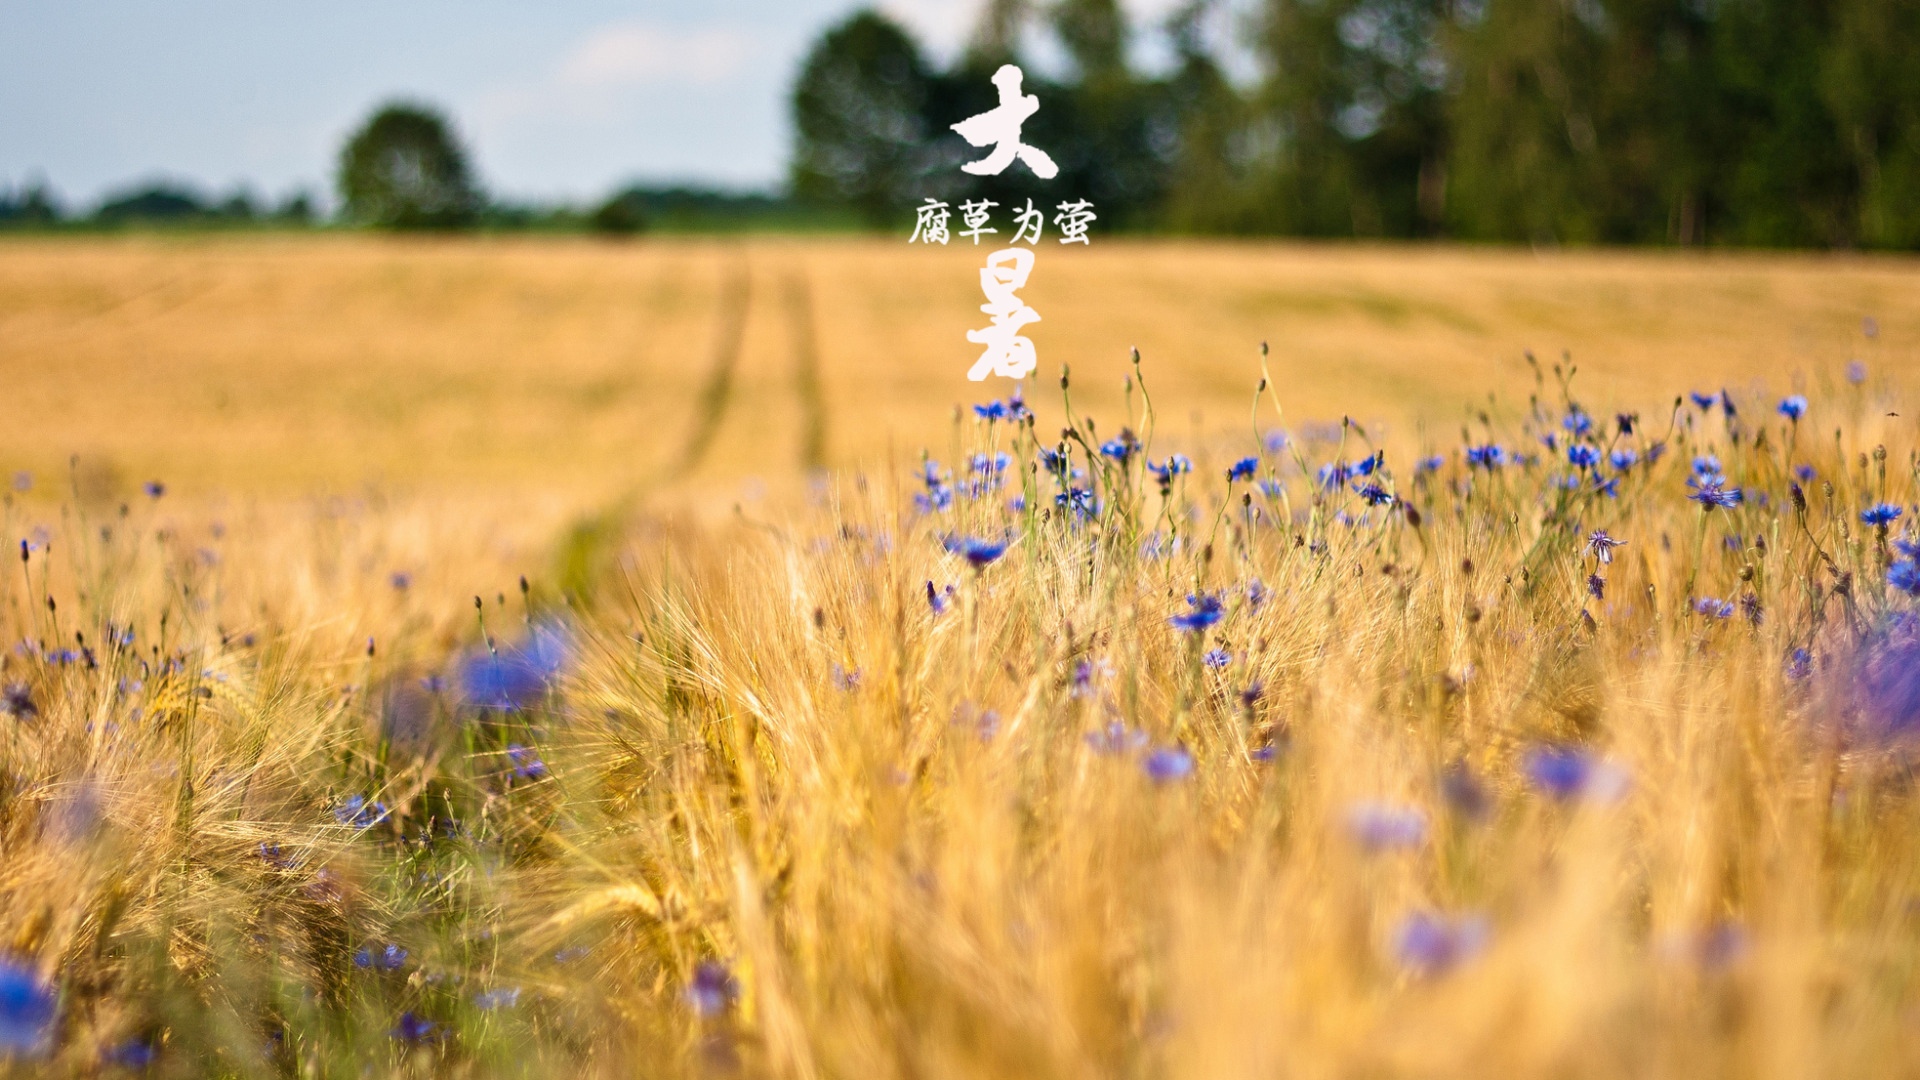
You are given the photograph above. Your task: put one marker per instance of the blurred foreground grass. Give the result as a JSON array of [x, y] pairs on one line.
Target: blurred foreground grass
[[1171, 749]]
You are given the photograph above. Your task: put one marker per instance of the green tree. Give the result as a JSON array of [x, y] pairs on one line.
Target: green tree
[[1868, 82], [405, 170], [1352, 112], [1209, 178], [859, 117]]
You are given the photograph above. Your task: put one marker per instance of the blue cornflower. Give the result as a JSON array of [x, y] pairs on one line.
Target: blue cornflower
[[512, 677], [17, 701], [1204, 610], [937, 497], [1566, 772], [1712, 495], [1885, 681], [1116, 738], [978, 553], [1366, 465], [989, 466], [1856, 372], [1118, 449], [1464, 792], [1257, 593], [1715, 608], [1803, 473], [713, 988], [1379, 826], [1167, 764], [1080, 501], [1334, 476], [1799, 665], [526, 764], [1905, 576], [1251, 695], [1793, 408], [1374, 494], [1608, 486], [1242, 469], [505, 997], [1430, 463], [134, 1054], [1909, 548], [412, 1028], [1055, 461], [1706, 465], [939, 601], [1704, 401], [1622, 459], [1582, 456], [26, 1011], [1491, 456], [1880, 514], [992, 410], [1716, 947], [1269, 487], [1577, 422], [1275, 442], [1602, 545], [1551, 440], [1431, 944], [154, 489], [1175, 465], [390, 958], [359, 813], [1217, 658]]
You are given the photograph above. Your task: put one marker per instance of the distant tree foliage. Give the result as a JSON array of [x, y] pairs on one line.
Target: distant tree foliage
[[405, 170], [1744, 122], [861, 110]]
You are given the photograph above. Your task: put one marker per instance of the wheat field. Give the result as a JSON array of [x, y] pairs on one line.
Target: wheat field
[[533, 658]]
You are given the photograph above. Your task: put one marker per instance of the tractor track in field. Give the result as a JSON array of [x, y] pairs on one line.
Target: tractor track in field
[[806, 371], [730, 329]]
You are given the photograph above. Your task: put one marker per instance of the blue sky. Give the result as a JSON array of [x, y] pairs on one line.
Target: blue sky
[[553, 100]]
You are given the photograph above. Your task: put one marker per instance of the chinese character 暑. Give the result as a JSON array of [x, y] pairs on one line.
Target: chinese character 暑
[[974, 216], [1072, 221], [1000, 127], [1008, 352], [1028, 220], [930, 223]]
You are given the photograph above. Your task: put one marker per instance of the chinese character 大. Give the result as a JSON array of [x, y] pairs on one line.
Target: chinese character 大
[[999, 128]]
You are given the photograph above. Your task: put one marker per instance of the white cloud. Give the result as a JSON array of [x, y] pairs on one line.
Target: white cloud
[[637, 53]]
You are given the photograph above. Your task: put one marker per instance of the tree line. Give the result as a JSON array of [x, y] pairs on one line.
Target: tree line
[[405, 169], [1785, 123]]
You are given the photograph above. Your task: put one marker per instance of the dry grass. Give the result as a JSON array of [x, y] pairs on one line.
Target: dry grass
[[289, 366], [913, 837]]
